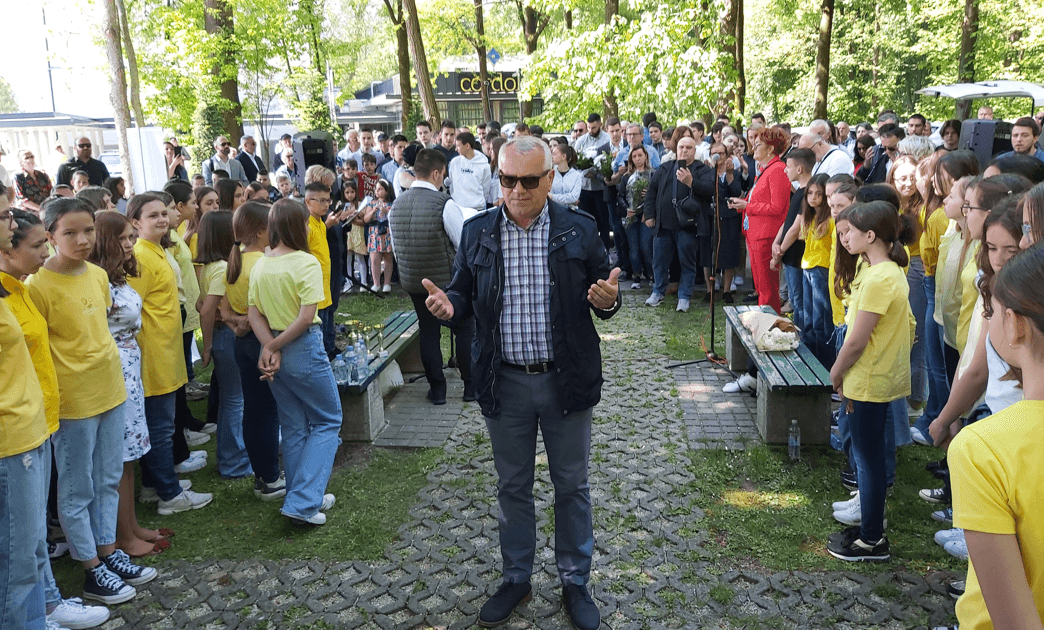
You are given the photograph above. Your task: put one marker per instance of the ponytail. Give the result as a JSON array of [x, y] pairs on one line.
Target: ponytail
[[249, 219]]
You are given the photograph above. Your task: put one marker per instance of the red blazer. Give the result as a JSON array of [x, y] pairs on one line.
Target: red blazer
[[769, 201]]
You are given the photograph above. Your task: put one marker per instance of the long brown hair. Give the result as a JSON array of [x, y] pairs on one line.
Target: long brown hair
[[816, 217], [215, 237], [1034, 201], [226, 190], [193, 221], [288, 225], [912, 204], [107, 252], [897, 230], [1006, 214], [249, 219]]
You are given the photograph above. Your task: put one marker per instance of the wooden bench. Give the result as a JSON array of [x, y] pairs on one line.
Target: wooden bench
[[792, 385], [362, 403]]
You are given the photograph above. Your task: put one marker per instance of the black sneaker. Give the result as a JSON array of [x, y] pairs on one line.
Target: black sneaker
[[499, 607], [849, 479], [935, 495], [859, 551], [955, 589], [270, 491], [727, 297], [751, 298], [120, 563], [102, 585], [845, 536]]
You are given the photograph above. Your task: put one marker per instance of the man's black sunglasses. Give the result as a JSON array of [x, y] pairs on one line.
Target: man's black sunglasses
[[529, 182]]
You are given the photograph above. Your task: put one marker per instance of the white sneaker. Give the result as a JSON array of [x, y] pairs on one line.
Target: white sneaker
[[376, 288], [637, 284], [316, 519], [149, 495], [328, 502], [853, 516], [745, 383], [944, 536], [187, 500], [654, 300], [72, 614], [920, 438], [845, 505], [737, 282], [957, 549], [683, 306], [53, 625], [209, 428], [387, 288], [192, 438], [192, 464]]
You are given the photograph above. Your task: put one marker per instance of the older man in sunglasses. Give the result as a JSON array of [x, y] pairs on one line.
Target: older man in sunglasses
[[532, 272], [223, 160], [96, 170]]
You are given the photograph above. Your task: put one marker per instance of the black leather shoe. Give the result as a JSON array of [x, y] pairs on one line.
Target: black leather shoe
[[499, 607], [751, 298], [469, 392], [437, 394], [583, 612]]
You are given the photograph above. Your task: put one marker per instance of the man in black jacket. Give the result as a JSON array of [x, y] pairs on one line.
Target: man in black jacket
[[677, 204], [532, 272], [879, 158]]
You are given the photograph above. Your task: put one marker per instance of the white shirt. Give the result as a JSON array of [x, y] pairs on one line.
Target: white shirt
[[565, 189], [453, 216], [835, 162], [469, 180]]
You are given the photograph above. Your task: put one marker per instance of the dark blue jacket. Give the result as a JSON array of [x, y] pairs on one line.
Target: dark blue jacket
[[576, 259]]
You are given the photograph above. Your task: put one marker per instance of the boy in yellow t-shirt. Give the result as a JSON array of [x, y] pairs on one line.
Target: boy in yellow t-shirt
[[317, 200]]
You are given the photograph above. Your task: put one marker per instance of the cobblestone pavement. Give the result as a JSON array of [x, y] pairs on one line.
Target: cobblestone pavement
[[652, 566]]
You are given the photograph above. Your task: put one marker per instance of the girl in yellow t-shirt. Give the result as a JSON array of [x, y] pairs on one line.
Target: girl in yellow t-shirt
[[873, 367], [817, 229], [215, 244], [74, 297], [206, 200], [261, 435], [286, 286], [997, 469]]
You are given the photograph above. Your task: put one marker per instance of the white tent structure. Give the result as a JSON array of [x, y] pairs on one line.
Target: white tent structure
[[989, 89]]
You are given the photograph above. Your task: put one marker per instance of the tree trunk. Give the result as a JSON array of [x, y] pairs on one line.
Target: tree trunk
[[612, 7], [741, 75], [533, 25], [966, 64], [877, 59], [132, 65], [480, 32], [826, 23], [405, 89], [420, 64], [612, 108], [118, 88], [728, 29], [569, 19], [218, 21]]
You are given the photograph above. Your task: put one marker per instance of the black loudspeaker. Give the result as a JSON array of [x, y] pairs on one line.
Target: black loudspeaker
[[310, 148], [985, 138]]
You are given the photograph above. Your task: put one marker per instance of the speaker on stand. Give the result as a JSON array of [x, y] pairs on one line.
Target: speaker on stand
[[310, 148], [985, 138]]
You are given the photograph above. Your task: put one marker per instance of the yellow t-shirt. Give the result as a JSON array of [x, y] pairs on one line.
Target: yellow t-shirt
[[818, 249], [914, 249], [162, 351], [237, 292], [279, 285], [188, 287], [948, 285], [90, 375], [212, 280], [23, 425], [191, 242], [997, 476], [882, 372], [321, 250], [969, 293], [34, 329], [934, 228], [837, 306]]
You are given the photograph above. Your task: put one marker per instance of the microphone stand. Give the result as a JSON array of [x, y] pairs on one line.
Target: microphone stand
[[714, 270]]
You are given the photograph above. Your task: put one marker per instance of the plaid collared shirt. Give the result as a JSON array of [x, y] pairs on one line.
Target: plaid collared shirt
[[525, 321]]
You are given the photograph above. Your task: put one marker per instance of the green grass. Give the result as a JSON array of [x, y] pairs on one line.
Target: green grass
[[686, 333], [762, 507]]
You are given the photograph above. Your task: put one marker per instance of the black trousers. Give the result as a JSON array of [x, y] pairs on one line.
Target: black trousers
[[431, 340], [593, 203]]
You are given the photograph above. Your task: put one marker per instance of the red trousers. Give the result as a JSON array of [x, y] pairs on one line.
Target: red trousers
[[766, 281]]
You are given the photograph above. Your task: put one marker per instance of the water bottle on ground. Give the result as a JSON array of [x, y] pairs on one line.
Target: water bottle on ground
[[794, 441]]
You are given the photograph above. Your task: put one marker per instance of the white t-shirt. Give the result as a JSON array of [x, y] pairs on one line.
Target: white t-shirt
[[835, 162]]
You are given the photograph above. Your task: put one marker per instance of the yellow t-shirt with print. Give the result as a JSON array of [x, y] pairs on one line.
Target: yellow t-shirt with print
[[162, 351], [882, 372], [90, 375], [23, 424], [188, 287], [34, 329], [321, 250], [237, 291], [279, 285], [997, 473], [969, 294], [934, 228], [818, 249]]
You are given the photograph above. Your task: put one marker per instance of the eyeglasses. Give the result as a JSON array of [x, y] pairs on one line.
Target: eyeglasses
[[1027, 229], [28, 156], [7, 215], [84, 146], [529, 182], [966, 207], [322, 202], [224, 144]]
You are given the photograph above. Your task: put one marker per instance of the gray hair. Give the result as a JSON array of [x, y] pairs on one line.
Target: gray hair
[[918, 147], [819, 127], [524, 145]]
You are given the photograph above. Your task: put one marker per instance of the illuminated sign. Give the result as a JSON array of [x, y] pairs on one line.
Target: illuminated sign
[[499, 82]]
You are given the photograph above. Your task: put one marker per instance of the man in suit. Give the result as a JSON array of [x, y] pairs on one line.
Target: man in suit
[[249, 159]]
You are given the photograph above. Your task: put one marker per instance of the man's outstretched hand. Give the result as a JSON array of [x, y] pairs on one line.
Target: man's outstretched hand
[[437, 302], [602, 294]]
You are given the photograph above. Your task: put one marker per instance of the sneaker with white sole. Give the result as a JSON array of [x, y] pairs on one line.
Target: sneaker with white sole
[[328, 502], [194, 438], [53, 625], [852, 515], [270, 491], [57, 549], [920, 438], [944, 536], [745, 383], [387, 288], [637, 284], [934, 495], [316, 519], [857, 550], [683, 305], [149, 495], [957, 549], [196, 461], [654, 300], [944, 515], [72, 614], [844, 505], [955, 589], [134, 574], [102, 585], [209, 428], [187, 500]]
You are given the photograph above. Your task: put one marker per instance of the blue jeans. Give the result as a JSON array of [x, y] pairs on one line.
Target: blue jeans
[[640, 248], [157, 466], [530, 402], [89, 456], [869, 423], [232, 459], [52, 596], [935, 361], [795, 289], [918, 304], [310, 416], [664, 246], [260, 416], [818, 316], [23, 537], [844, 425]]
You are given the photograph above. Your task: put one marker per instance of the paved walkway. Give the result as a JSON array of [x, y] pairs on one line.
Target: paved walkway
[[652, 569]]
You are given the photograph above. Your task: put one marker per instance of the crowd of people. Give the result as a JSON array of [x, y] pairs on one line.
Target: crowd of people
[[895, 252]]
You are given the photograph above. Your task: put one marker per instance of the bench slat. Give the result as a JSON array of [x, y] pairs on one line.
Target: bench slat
[[812, 363], [400, 330]]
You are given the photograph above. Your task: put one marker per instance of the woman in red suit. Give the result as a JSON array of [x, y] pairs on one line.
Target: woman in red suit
[[765, 210]]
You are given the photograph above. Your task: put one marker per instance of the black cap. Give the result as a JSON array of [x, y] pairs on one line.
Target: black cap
[[381, 137]]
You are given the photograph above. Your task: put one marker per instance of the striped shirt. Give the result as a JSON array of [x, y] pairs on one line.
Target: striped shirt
[[525, 321]]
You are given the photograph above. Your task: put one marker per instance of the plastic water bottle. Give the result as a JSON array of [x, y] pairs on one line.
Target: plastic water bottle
[[340, 370], [362, 358], [349, 361], [794, 441]]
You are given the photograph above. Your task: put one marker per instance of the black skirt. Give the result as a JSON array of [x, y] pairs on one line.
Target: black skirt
[[730, 245]]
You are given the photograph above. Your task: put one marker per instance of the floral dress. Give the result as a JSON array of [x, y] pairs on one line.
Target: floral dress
[[125, 324], [379, 238]]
